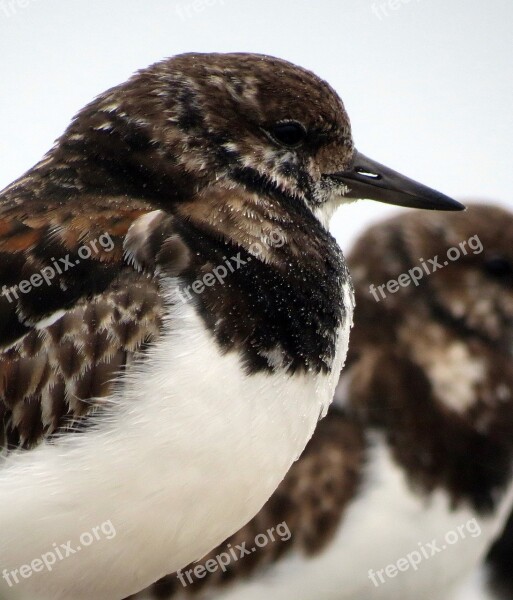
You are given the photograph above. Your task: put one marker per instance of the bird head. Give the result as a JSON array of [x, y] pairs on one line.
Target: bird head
[[187, 122], [456, 272]]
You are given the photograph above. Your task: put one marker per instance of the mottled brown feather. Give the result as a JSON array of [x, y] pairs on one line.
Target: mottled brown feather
[[54, 375]]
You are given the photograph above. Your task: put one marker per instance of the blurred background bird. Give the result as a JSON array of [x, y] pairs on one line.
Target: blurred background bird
[[407, 481]]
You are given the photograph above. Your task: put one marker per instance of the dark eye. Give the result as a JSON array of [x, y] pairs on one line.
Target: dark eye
[[289, 134], [498, 267]]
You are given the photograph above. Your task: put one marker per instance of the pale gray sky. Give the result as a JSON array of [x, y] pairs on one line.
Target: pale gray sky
[[428, 84]]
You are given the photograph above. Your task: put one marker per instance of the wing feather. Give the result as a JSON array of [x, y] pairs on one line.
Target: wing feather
[[64, 344]]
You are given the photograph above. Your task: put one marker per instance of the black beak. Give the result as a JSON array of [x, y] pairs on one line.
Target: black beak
[[368, 179]]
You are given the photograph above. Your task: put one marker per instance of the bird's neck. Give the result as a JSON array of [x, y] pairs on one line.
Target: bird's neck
[[282, 290]]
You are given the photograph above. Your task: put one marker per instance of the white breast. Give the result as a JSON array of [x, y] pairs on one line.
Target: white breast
[[385, 523], [190, 451]]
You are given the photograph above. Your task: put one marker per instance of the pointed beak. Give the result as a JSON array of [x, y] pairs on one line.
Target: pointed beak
[[368, 179]]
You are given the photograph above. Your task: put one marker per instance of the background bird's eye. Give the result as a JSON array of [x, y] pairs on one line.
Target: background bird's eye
[[498, 267], [289, 134]]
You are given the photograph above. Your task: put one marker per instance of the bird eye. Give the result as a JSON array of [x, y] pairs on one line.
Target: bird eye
[[498, 267], [290, 134]]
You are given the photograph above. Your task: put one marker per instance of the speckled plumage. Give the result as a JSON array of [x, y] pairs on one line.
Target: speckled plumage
[[184, 136]]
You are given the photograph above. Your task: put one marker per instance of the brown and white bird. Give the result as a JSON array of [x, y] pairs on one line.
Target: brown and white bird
[[408, 479], [174, 316]]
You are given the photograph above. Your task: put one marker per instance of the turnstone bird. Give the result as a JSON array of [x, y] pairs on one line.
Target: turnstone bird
[[173, 302], [405, 483]]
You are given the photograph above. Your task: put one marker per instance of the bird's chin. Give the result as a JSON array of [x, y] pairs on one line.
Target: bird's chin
[[325, 211]]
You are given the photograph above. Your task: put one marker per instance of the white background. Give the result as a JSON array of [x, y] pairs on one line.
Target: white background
[[428, 84]]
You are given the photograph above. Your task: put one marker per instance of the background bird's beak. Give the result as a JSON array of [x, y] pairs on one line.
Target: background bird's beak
[[368, 179]]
